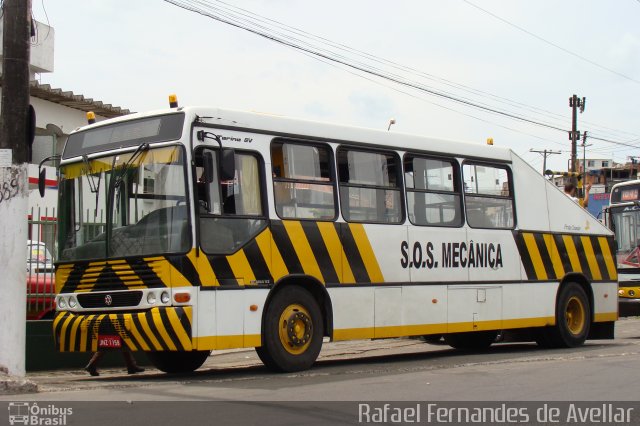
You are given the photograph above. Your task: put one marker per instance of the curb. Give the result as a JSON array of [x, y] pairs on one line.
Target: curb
[[10, 385]]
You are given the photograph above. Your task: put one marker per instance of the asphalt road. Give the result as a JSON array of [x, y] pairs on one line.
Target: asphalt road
[[381, 370]]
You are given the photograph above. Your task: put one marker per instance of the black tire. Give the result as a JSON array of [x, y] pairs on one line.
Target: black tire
[[573, 320], [292, 331], [178, 362], [471, 341]]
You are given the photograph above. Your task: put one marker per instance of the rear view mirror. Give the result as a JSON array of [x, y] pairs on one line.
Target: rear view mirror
[[209, 166], [42, 177], [228, 164], [42, 173]]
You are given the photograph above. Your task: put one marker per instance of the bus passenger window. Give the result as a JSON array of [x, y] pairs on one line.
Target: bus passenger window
[[433, 191], [230, 211], [488, 197], [303, 181], [369, 186]]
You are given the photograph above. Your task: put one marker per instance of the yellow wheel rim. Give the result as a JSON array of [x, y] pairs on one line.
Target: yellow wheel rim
[[575, 315], [295, 329]]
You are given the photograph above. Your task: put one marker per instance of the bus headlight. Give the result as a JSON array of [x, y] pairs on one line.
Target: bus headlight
[[62, 304], [620, 292], [151, 298], [632, 293], [164, 297], [72, 302]]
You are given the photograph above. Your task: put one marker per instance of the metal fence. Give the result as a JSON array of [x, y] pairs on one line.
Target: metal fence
[[41, 249]]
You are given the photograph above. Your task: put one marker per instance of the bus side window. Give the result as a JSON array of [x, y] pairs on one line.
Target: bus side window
[[370, 186], [236, 213], [303, 181], [488, 198], [433, 191]]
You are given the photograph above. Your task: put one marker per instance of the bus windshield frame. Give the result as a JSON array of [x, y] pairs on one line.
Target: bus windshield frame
[[625, 222], [123, 205]]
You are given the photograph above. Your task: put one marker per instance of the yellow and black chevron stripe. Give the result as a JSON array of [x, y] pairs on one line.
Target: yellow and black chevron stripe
[[159, 329], [548, 256], [120, 274], [334, 253]]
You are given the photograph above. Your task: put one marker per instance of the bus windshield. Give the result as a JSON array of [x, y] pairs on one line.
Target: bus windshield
[[128, 204], [626, 224]]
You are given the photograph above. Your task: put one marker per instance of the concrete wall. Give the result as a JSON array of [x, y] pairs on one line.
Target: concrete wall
[[42, 45]]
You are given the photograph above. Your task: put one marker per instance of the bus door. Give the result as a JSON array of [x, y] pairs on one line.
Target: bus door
[[490, 255], [433, 252]]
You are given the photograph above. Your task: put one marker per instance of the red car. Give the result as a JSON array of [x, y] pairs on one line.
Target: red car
[[40, 282]]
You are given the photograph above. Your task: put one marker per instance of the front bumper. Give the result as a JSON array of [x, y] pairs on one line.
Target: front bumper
[[157, 329]]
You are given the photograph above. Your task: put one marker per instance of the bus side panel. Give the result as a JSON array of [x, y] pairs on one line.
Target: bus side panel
[[605, 300], [420, 309], [379, 247], [432, 254], [495, 256], [353, 312], [225, 318], [529, 304], [204, 337], [567, 216], [530, 195], [425, 309]]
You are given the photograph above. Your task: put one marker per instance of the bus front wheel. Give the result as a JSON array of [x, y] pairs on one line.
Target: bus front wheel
[[292, 331], [178, 362], [573, 320]]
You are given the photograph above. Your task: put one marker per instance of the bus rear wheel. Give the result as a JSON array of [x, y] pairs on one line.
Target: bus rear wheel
[[178, 362], [573, 320], [471, 341], [292, 331]]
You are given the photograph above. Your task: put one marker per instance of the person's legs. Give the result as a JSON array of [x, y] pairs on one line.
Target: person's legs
[[130, 361], [92, 367]]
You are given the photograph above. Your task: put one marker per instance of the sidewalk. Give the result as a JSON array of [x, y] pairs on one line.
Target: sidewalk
[[219, 361], [10, 385]]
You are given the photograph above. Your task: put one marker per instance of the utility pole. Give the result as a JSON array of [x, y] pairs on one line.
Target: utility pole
[[545, 153], [584, 161], [15, 121], [634, 161], [576, 104]]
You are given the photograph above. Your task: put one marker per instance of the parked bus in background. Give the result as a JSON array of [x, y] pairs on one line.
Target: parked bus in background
[[192, 229], [623, 217]]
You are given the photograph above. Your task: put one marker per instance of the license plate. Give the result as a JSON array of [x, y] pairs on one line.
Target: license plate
[[109, 342]]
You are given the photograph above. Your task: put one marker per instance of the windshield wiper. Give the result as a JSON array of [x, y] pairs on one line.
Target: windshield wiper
[[87, 171], [126, 166], [93, 186], [114, 185]]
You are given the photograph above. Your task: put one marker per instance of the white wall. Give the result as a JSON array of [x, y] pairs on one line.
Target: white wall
[[41, 50]]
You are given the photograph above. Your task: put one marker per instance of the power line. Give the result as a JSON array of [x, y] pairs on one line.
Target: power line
[[317, 52], [551, 43], [545, 153], [430, 102], [361, 68], [264, 20], [250, 18]]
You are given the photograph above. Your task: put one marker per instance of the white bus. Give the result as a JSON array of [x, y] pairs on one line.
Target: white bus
[[192, 229], [623, 217]]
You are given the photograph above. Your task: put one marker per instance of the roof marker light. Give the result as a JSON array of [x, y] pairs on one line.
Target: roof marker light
[[91, 117], [173, 101]]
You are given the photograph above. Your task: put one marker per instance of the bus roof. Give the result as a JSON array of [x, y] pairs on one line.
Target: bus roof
[[292, 127]]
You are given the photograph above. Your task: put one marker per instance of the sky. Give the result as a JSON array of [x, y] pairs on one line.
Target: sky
[[524, 58]]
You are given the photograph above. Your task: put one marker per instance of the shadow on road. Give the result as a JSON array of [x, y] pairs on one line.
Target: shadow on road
[[431, 358]]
